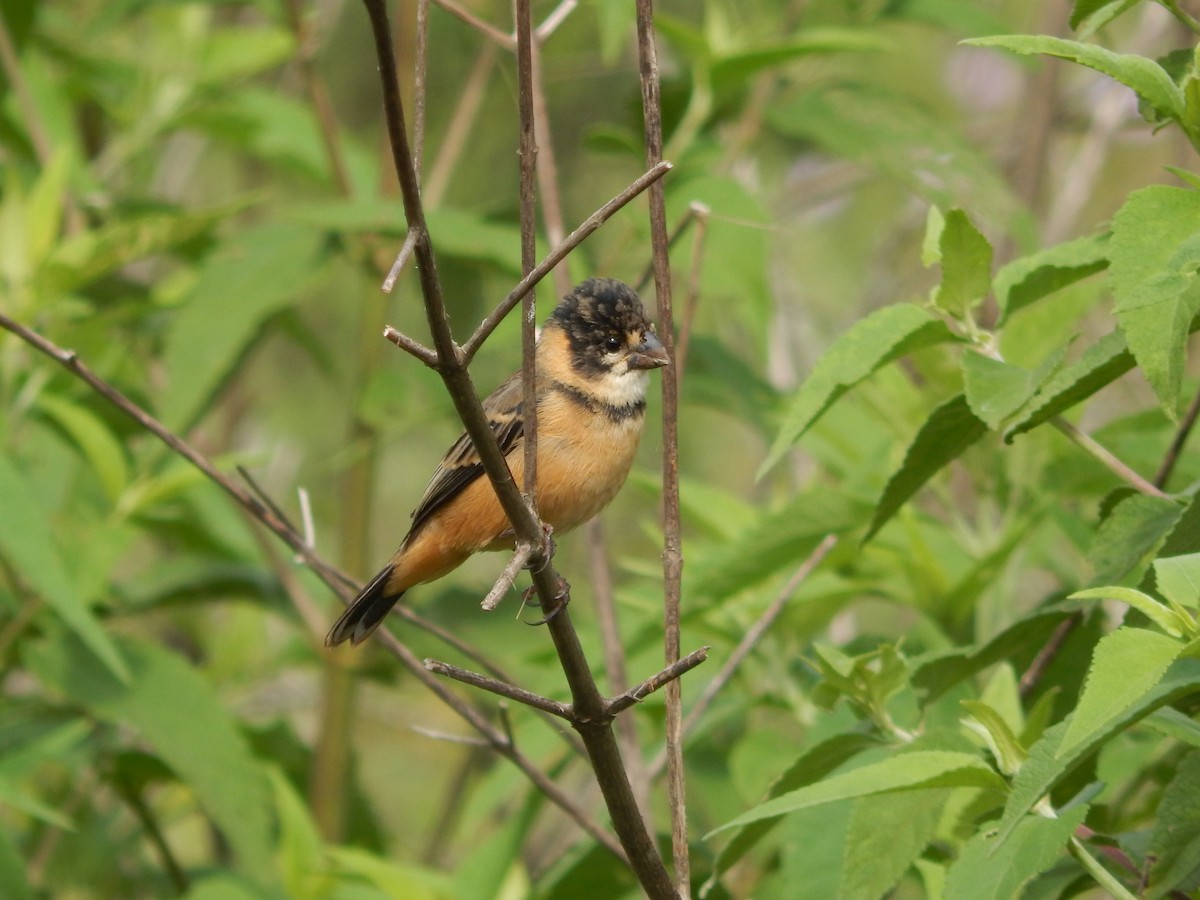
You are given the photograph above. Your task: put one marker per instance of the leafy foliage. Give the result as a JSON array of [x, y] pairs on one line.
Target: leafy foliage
[[978, 378]]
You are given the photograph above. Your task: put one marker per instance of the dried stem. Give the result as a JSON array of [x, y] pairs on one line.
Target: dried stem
[[672, 543], [1163, 475], [528, 154], [659, 680], [502, 688], [505, 582]]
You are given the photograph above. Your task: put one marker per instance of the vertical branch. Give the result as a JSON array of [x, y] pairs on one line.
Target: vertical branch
[[528, 153], [672, 548]]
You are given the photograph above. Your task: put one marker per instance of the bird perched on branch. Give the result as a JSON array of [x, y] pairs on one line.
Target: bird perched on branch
[[592, 363]]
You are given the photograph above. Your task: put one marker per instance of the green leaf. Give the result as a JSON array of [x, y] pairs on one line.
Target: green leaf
[[1129, 536], [174, 711], [887, 832], [871, 343], [13, 797], [257, 275], [396, 880], [1005, 747], [1164, 618], [1146, 77], [1126, 665], [931, 246], [935, 675], [732, 68], [1178, 579], [991, 869], [44, 208], [904, 771], [1046, 765], [994, 389], [811, 766], [1100, 364], [1155, 253], [95, 441], [1028, 279], [966, 258], [233, 53], [1175, 841], [26, 539], [945, 436]]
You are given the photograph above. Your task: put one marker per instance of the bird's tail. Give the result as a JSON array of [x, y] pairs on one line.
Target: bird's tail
[[365, 611]]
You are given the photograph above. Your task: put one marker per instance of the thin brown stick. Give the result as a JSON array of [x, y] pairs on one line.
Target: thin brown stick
[[685, 222], [487, 29], [1106, 458], [1163, 475], [528, 155], [672, 541], [756, 631], [557, 16], [657, 681], [558, 254], [318, 96], [1049, 652], [417, 349], [501, 688]]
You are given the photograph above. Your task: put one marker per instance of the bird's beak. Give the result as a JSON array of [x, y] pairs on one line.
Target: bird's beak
[[650, 354]]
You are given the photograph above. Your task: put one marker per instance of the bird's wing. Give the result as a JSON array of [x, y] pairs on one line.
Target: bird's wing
[[461, 466]]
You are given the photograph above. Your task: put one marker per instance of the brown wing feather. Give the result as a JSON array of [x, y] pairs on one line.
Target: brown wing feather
[[461, 466]]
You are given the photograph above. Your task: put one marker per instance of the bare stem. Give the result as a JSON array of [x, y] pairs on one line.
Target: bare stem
[[657, 681], [1106, 458], [1163, 475], [672, 543], [503, 689]]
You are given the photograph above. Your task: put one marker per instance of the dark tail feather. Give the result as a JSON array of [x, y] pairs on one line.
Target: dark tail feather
[[365, 612]]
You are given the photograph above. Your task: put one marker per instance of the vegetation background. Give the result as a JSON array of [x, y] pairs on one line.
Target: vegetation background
[[196, 198]]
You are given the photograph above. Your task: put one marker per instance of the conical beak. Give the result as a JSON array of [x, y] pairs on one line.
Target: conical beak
[[650, 354]]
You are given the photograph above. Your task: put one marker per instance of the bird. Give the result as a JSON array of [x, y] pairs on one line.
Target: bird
[[592, 363]]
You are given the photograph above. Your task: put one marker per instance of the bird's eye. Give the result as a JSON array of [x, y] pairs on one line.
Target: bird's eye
[[612, 344]]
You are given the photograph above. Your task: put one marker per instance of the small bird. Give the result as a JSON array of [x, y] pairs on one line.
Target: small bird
[[592, 362]]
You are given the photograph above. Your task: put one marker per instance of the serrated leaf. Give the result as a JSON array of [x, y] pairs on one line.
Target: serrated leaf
[[1129, 535], [257, 275], [1178, 579], [1126, 666], [946, 434], [988, 869], [886, 834], [994, 389], [174, 711], [1028, 279], [1146, 77], [1175, 841], [1100, 364], [26, 539], [1046, 765], [931, 246], [1154, 253], [966, 259], [871, 343], [904, 771], [1160, 615], [95, 441], [811, 766]]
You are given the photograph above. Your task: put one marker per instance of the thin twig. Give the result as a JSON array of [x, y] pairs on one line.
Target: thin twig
[[756, 631], [558, 254], [672, 543], [487, 29], [420, 72], [501, 688], [528, 155], [557, 16], [417, 349], [1163, 475], [692, 298], [1106, 458], [1049, 652], [681, 228], [657, 681], [449, 738], [505, 582], [406, 249]]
